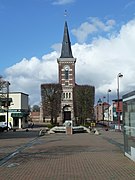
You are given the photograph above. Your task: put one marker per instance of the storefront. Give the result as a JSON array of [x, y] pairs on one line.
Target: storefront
[[18, 110], [20, 120], [129, 124]]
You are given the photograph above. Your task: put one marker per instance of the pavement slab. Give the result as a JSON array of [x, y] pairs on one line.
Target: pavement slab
[[83, 156]]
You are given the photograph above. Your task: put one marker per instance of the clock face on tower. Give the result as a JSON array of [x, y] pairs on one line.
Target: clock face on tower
[[66, 68]]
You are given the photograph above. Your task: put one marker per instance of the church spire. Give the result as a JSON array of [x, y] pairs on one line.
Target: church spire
[[66, 51]]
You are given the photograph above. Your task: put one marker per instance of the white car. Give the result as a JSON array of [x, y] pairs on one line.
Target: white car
[[3, 126]]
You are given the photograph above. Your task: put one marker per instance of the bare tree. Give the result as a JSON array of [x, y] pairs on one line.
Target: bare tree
[[51, 100], [84, 96], [36, 108]]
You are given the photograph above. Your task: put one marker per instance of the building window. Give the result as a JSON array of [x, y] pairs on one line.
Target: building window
[[129, 125], [63, 95], [66, 68], [66, 83], [67, 95], [66, 73]]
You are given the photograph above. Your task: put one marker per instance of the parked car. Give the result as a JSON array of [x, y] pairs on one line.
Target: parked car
[[3, 126]]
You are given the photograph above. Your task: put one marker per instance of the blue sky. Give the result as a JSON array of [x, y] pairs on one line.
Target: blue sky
[[31, 32], [30, 27]]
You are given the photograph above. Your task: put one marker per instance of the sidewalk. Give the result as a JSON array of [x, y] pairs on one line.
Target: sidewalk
[[70, 157], [10, 141]]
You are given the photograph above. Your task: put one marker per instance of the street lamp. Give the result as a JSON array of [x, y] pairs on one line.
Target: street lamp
[[118, 97], [103, 109], [99, 103], [109, 90], [7, 103]]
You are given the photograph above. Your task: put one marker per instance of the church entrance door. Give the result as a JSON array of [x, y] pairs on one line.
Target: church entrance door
[[66, 113]]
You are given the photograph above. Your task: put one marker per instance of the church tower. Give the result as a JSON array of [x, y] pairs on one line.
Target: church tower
[[66, 66]]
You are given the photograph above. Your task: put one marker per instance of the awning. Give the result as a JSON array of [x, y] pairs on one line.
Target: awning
[[19, 115]]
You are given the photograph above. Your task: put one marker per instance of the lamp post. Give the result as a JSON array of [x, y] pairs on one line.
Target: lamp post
[[99, 103], [109, 90], [118, 97], [103, 109], [7, 100]]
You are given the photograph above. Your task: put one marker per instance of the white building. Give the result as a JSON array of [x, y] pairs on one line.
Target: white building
[[18, 111]]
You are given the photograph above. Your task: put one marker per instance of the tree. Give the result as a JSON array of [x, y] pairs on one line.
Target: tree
[[51, 101], [36, 108], [84, 96]]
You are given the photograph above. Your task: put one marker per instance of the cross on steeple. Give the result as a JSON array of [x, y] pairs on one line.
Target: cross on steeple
[[65, 13]]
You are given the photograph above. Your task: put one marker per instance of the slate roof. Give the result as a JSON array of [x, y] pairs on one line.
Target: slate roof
[[66, 51]]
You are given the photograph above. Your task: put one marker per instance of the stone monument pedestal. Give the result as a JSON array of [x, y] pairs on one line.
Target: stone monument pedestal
[[69, 130]]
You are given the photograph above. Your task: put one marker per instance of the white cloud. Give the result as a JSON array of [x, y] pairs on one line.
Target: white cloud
[[93, 26], [107, 26], [83, 31], [62, 2], [105, 58], [27, 75], [97, 64]]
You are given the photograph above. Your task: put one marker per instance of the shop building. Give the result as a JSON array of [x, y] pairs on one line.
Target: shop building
[[129, 124], [18, 110]]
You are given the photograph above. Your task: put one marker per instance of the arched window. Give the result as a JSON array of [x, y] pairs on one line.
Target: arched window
[[66, 72], [63, 95]]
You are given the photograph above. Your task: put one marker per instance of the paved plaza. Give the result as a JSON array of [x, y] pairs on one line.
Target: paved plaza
[[85, 156]]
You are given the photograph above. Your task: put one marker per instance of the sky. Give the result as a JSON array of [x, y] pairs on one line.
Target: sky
[[102, 35]]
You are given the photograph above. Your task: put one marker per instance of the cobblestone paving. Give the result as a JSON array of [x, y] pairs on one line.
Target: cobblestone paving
[[69, 157]]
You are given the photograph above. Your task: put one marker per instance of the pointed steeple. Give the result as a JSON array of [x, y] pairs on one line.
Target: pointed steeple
[[66, 51]]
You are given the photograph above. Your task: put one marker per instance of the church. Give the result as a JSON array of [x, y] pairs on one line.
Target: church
[[67, 100]]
